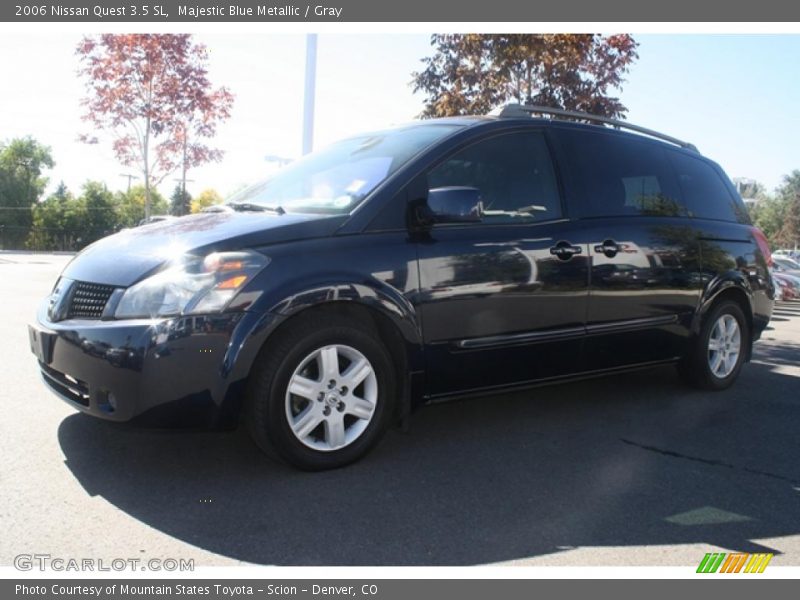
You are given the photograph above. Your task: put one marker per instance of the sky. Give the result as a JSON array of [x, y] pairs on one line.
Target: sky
[[736, 97]]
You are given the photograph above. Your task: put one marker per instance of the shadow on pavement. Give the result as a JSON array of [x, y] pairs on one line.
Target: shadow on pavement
[[630, 460]]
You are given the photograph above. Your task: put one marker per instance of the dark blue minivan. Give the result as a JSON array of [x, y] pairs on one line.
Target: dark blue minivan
[[433, 260]]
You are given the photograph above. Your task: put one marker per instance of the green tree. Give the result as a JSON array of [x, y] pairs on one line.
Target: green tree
[[22, 162], [100, 208], [180, 203], [759, 200], [62, 193], [51, 213], [778, 216], [788, 195], [768, 216], [130, 205], [206, 198], [64, 222], [56, 221], [474, 73]]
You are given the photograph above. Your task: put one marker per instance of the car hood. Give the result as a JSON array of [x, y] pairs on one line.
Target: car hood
[[126, 257]]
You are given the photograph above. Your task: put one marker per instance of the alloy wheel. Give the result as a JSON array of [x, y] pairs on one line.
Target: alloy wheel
[[331, 397], [724, 346]]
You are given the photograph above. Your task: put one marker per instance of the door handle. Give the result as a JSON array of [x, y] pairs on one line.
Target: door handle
[[565, 250], [608, 247]]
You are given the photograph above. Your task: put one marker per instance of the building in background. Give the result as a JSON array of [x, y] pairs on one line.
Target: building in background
[[748, 189]]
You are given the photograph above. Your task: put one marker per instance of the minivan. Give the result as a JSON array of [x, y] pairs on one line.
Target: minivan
[[438, 259]]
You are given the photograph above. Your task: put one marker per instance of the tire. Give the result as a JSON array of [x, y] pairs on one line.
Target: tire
[[716, 358], [326, 424]]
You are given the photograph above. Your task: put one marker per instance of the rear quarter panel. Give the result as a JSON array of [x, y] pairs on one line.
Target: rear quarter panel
[[730, 257]]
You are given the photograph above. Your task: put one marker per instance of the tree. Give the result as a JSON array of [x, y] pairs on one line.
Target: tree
[[22, 162], [130, 205], [767, 215], [778, 215], [57, 212], [180, 203], [205, 199], [64, 222], [101, 217], [55, 221], [474, 73], [151, 92], [62, 193], [788, 195]]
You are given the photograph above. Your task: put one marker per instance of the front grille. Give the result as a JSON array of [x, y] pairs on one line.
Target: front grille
[[88, 300]]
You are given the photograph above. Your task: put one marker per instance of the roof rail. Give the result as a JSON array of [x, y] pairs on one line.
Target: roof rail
[[525, 110]]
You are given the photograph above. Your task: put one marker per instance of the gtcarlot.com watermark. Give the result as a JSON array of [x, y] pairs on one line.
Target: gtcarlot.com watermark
[[48, 562]]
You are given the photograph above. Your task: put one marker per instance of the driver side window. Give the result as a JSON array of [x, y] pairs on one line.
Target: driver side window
[[513, 173]]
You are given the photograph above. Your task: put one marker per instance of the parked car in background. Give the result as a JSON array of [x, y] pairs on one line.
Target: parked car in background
[[443, 258], [784, 264], [780, 293], [793, 254], [786, 287], [155, 219], [216, 208]]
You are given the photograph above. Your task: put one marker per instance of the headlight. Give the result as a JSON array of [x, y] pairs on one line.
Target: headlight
[[192, 285]]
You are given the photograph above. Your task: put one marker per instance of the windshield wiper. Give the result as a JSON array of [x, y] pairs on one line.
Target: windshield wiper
[[252, 207]]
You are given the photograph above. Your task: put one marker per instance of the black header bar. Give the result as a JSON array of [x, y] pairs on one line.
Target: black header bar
[[449, 11]]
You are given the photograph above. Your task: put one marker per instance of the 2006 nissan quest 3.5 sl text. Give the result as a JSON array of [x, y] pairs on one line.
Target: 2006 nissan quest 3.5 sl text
[[432, 260]]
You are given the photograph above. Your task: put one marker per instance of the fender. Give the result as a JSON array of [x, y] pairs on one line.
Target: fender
[[387, 300], [295, 296], [729, 280], [372, 293], [255, 328]]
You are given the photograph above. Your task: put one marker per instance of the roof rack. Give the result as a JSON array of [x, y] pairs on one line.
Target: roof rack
[[525, 110]]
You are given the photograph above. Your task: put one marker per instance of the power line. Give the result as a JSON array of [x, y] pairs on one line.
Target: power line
[[42, 204]]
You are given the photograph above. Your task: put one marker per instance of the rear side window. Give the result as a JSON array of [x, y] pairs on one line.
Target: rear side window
[[704, 192], [513, 173], [618, 176]]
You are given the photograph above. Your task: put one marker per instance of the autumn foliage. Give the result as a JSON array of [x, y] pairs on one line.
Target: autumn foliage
[[152, 94], [474, 73]]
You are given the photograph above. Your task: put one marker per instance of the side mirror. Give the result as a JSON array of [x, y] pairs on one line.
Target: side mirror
[[453, 205]]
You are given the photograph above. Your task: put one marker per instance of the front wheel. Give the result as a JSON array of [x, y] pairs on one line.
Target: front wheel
[[716, 359], [323, 393]]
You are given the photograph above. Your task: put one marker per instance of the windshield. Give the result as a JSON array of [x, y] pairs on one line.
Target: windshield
[[336, 179]]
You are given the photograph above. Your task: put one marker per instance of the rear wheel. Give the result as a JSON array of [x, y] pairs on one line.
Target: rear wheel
[[322, 394], [716, 359]]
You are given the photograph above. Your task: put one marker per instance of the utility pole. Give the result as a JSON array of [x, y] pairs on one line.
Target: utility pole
[[308, 95], [183, 174], [130, 177], [184, 168]]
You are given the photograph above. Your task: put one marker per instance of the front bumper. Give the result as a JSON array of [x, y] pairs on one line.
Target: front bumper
[[185, 371]]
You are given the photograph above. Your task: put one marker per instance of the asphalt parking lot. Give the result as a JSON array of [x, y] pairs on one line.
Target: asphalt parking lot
[[634, 469]]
